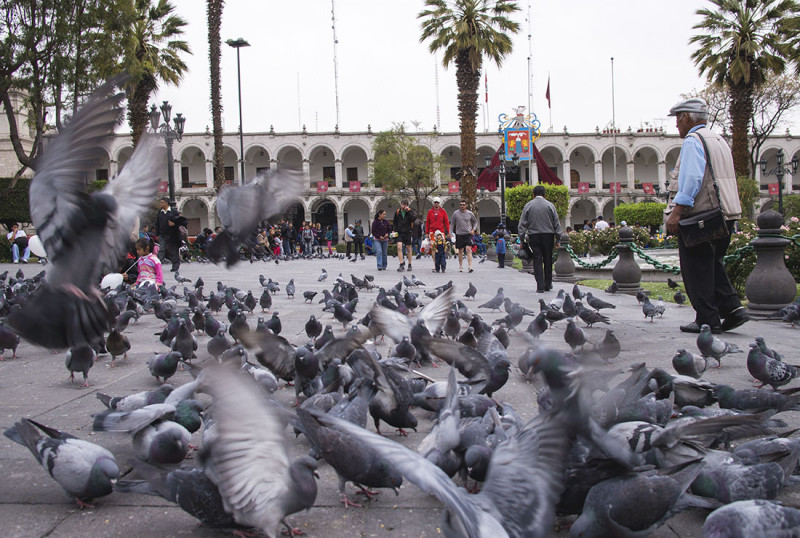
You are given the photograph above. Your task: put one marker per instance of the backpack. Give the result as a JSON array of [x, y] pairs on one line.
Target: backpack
[[308, 235]]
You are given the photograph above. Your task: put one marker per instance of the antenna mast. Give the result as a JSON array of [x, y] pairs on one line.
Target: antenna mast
[[335, 61]]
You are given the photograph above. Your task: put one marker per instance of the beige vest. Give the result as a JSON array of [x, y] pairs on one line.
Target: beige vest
[[721, 159]]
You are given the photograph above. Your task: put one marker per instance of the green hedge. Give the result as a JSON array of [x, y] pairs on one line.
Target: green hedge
[[517, 197], [15, 206], [600, 243], [748, 194], [642, 214]]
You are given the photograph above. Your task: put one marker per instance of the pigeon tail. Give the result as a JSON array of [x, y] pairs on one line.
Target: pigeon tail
[[223, 247], [58, 318]]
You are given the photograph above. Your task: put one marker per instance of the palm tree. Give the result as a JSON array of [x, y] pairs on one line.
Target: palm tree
[[741, 43], [152, 54], [468, 30], [214, 8]]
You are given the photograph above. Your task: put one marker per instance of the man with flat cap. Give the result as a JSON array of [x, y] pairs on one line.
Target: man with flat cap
[[704, 157]]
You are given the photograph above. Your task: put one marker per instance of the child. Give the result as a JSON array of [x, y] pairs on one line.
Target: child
[[149, 265], [438, 247], [500, 249]]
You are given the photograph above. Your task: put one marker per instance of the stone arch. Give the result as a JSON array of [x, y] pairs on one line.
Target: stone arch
[[256, 160], [355, 161], [488, 214], [645, 165], [192, 167], [289, 157], [295, 213], [671, 159], [452, 157], [623, 157], [322, 164], [608, 211], [230, 159], [554, 159], [389, 203], [325, 212], [356, 209], [581, 160], [580, 209], [196, 210], [102, 169], [124, 154]]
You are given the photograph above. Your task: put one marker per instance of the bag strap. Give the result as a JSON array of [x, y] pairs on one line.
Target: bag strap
[[710, 168]]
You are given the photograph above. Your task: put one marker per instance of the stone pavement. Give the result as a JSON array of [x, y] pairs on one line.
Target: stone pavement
[[35, 385]]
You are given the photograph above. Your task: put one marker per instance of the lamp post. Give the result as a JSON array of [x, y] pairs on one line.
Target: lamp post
[[237, 44], [169, 135], [501, 168], [779, 172]]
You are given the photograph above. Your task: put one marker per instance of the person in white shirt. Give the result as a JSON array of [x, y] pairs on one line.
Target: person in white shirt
[[19, 239], [601, 224]]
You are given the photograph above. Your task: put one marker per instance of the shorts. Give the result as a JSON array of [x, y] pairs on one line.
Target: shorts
[[404, 238], [463, 240]]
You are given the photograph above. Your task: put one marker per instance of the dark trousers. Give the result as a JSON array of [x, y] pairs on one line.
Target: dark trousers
[[358, 247], [706, 281], [542, 248], [501, 259], [439, 260], [170, 250], [347, 245]]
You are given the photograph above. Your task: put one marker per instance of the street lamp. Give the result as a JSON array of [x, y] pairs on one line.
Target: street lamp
[[779, 172], [237, 44], [501, 168], [169, 135]]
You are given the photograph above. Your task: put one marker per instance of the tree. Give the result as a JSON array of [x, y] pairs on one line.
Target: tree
[[772, 101], [214, 8], [468, 30], [149, 50], [741, 43], [404, 166]]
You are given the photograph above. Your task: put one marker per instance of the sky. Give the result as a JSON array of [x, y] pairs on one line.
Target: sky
[[386, 76]]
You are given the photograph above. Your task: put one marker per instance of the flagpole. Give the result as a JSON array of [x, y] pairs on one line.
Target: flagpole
[[549, 108], [614, 130]]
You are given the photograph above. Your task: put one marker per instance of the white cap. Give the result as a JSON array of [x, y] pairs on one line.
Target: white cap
[[437, 200]]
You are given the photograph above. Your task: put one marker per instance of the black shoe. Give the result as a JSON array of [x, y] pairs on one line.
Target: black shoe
[[694, 328], [409, 267], [539, 291], [549, 288], [735, 319], [401, 268]]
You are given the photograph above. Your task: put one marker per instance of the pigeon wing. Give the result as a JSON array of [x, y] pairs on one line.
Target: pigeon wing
[[435, 313], [391, 323], [469, 362]]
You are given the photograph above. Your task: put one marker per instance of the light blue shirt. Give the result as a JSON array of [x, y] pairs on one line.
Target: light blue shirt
[[692, 169]]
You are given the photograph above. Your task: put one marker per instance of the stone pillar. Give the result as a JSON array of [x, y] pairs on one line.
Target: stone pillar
[[631, 176], [535, 173], [210, 174], [598, 175], [566, 171], [307, 174], [770, 285], [273, 165], [337, 165], [626, 273], [113, 168], [662, 176], [564, 266]]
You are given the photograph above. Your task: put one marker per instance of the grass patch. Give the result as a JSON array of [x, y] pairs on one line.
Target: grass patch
[[656, 289]]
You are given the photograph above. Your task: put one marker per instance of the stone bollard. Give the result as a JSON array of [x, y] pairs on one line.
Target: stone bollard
[[564, 266], [770, 285], [626, 273]]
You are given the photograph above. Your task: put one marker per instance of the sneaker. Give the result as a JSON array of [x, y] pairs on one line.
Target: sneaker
[[401, 268], [24, 261], [735, 319], [409, 267], [16, 261], [694, 328], [470, 270], [419, 256], [460, 269]]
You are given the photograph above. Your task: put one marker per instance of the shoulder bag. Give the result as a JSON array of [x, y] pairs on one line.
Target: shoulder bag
[[708, 225]]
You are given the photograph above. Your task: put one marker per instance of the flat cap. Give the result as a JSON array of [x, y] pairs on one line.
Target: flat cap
[[695, 104]]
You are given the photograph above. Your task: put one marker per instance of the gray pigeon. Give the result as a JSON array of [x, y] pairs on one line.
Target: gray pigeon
[[83, 233], [80, 359], [83, 469], [648, 309], [745, 519], [137, 400], [769, 371], [163, 366], [258, 491], [242, 208], [322, 275], [8, 340], [495, 302], [711, 346], [609, 347], [290, 289], [596, 303], [471, 291], [688, 363], [574, 335], [679, 298]]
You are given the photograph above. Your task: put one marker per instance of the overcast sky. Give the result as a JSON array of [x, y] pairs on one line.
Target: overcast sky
[[385, 75]]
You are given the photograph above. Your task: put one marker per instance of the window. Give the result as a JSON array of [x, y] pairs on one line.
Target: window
[[329, 174], [101, 174], [185, 181], [352, 174], [229, 175], [455, 172], [261, 169]]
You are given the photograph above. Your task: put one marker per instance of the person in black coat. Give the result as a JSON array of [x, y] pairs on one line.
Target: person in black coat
[[167, 227]]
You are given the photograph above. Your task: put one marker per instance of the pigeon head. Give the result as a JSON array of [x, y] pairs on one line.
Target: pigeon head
[[103, 471]]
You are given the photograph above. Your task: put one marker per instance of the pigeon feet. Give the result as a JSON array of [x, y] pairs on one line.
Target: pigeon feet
[[402, 432], [81, 504], [347, 502], [368, 493]]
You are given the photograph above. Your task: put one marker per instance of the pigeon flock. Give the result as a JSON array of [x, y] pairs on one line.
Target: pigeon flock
[[378, 390]]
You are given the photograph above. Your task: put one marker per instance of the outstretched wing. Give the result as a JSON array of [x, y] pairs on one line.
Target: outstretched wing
[[435, 313]]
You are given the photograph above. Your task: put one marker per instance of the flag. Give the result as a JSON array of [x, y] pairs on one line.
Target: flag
[[773, 188], [453, 187], [322, 186], [615, 187], [355, 186], [583, 187], [547, 93], [648, 188]]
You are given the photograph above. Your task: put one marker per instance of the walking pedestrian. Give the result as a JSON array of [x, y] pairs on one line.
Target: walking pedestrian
[[539, 221], [464, 225]]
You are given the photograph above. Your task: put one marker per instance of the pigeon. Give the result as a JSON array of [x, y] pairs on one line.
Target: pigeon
[[212, 326], [679, 298], [248, 457], [754, 399], [8, 340], [711, 346], [756, 517], [218, 344], [313, 327], [641, 296], [609, 347], [265, 301], [494, 303], [558, 301], [83, 233], [537, 326], [672, 284], [137, 400], [290, 289], [181, 279], [688, 363], [769, 371], [417, 282], [322, 276], [83, 469], [590, 317], [309, 296], [649, 309], [576, 293], [597, 304], [613, 288], [242, 208], [117, 344], [80, 359], [250, 302], [163, 366], [574, 335]]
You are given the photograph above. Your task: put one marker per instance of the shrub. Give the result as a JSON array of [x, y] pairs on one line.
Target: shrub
[[791, 206], [600, 243], [642, 214], [15, 206], [748, 194], [517, 197]]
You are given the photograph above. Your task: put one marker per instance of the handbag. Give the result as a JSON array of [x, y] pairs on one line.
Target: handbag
[[706, 226]]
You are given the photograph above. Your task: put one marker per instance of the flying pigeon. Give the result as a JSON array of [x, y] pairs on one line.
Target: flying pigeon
[[83, 233]]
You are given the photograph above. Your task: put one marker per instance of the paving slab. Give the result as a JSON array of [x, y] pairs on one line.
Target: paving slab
[[35, 385]]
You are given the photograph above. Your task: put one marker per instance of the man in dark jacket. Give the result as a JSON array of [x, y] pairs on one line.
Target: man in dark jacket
[[358, 239], [403, 222], [168, 222]]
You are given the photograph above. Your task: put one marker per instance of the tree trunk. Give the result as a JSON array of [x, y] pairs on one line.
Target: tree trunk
[[468, 81], [741, 112], [214, 55], [138, 115]]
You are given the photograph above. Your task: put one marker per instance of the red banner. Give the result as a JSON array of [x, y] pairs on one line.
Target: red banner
[[355, 186], [322, 186], [163, 187], [583, 187], [615, 187], [453, 187], [773, 188], [648, 188]]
